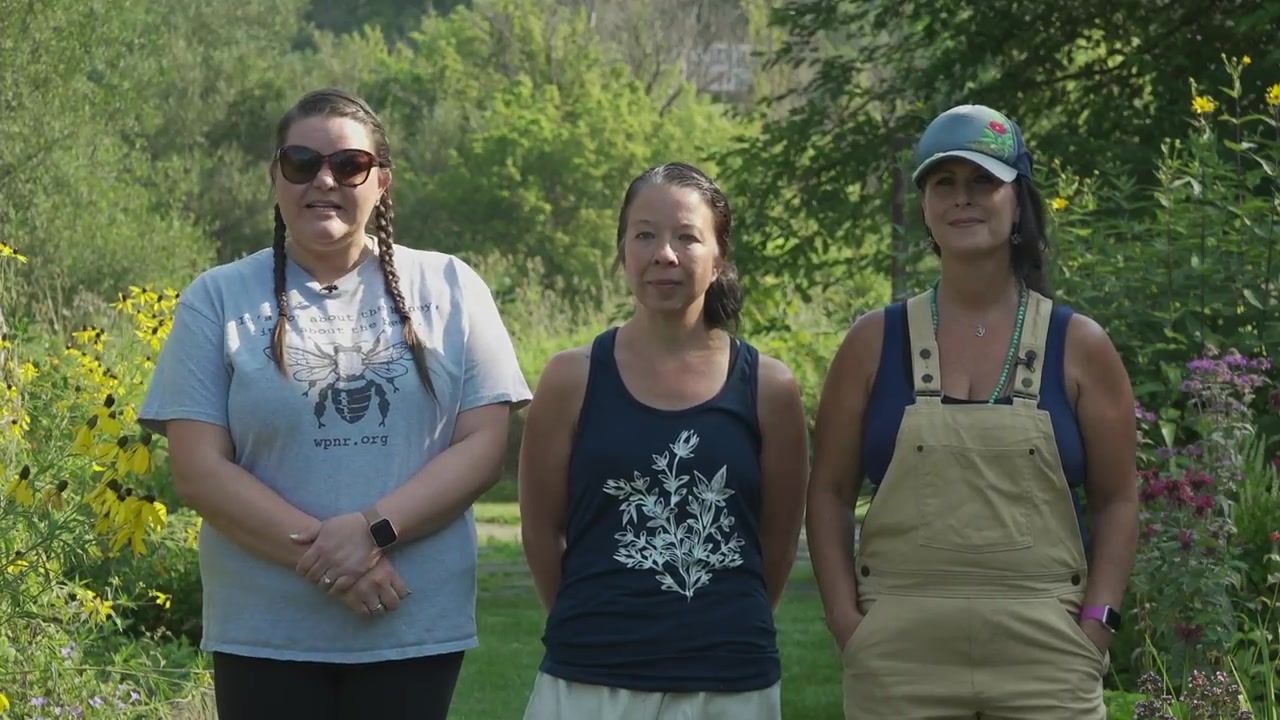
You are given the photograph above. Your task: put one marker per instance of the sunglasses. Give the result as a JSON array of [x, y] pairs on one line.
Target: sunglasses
[[300, 165]]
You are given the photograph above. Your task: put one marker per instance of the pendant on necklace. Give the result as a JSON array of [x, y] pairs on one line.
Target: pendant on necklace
[[981, 330]]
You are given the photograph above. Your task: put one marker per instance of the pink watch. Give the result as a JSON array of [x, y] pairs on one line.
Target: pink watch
[[1104, 614]]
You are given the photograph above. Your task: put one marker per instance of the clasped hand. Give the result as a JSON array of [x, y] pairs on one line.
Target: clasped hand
[[343, 560]]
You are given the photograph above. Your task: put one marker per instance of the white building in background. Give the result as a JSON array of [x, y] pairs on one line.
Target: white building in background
[[722, 68]]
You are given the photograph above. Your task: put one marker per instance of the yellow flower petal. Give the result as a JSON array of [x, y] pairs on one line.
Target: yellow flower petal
[[1203, 105]]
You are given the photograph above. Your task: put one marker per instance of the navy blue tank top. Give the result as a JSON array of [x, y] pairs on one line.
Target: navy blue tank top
[[893, 391], [661, 585]]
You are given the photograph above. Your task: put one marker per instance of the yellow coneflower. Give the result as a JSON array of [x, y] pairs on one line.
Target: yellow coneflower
[[20, 488], [109, 451], [136, 457], [1273, 95], [19, 424], [1060, 203], [7, 250], [18, 564], [136, 516], [103, 497], [53, 495]]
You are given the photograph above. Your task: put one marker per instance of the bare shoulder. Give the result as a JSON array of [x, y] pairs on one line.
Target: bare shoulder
[[1085, 333], [779, 406], [776, 377], [866, 334], [566, 371], [858, 357], [1091, 358], [557, 399], [1088, 343]]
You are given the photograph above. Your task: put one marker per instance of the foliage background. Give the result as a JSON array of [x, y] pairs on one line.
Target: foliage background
[[136, 135]]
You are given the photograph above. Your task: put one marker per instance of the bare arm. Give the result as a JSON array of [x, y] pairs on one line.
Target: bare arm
[[1104, 407], [544, 467], [784, 467], [444, 488], [837, 472], [230, 499]]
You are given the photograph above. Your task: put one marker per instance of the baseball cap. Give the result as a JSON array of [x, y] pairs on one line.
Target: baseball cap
[[976, 133]]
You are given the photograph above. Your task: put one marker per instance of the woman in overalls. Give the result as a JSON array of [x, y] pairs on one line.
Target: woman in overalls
[[979, 410]]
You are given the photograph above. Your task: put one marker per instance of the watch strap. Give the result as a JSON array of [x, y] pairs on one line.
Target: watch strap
[[1104, 614]]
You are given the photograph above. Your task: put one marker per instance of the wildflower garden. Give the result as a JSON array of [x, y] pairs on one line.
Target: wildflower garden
[[99, 577]]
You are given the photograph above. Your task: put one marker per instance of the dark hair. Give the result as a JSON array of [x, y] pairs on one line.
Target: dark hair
[[722, 304], [1028, 254], [334, 103]]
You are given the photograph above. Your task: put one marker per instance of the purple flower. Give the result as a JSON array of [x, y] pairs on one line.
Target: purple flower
[[1201, 365], [39, 701], [1142, 413]]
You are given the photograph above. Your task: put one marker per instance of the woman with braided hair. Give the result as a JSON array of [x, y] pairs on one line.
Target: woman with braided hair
[[333, 406]]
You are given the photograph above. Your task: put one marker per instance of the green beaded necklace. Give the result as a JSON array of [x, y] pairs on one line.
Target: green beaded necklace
[[1014, 342]]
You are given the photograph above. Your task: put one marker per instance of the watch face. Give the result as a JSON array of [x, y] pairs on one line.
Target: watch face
[[383, 533], [1112, 619]]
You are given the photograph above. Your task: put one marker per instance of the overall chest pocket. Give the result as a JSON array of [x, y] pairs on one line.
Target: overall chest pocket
[[977, 499]]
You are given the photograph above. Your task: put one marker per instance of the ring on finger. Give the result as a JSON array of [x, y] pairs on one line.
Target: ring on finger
[[377, 608], [326, 579]]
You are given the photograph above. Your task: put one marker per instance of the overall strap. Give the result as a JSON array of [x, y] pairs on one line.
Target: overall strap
[[926, 377], [1030, 358]]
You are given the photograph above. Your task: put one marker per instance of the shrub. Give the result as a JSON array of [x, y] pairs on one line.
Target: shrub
[[77, 479]]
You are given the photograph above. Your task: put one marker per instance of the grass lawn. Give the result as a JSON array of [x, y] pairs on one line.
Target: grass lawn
[[497, 676]]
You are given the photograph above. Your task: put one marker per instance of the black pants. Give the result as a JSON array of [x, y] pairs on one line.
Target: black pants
[[249, 688]]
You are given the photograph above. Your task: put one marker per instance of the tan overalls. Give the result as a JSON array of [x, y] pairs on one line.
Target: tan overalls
[[971, 562]]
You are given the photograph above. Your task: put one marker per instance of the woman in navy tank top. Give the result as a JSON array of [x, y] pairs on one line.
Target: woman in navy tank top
[[662, 479]]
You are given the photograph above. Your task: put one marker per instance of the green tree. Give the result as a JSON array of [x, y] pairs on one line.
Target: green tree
[[518, 135], [1100, 84]]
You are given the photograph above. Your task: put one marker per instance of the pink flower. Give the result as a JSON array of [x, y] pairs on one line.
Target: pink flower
[[1188, 633], [1204, 504], [1198, 480], [998, 127], [1180, 493]]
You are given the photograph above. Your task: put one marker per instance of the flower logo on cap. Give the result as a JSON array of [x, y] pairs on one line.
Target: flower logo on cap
[[996, 140]]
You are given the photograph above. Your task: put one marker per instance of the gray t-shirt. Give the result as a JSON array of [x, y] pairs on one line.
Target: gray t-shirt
[[350, 424]]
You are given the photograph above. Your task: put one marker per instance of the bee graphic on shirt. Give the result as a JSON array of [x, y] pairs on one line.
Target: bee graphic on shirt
[[350, 376]]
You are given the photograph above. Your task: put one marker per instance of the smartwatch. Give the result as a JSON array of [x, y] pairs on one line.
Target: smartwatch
[[1105, 614], [383, 532]]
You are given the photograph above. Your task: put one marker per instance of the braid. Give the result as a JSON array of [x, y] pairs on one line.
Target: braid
[[282, 298], [382, 216]]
